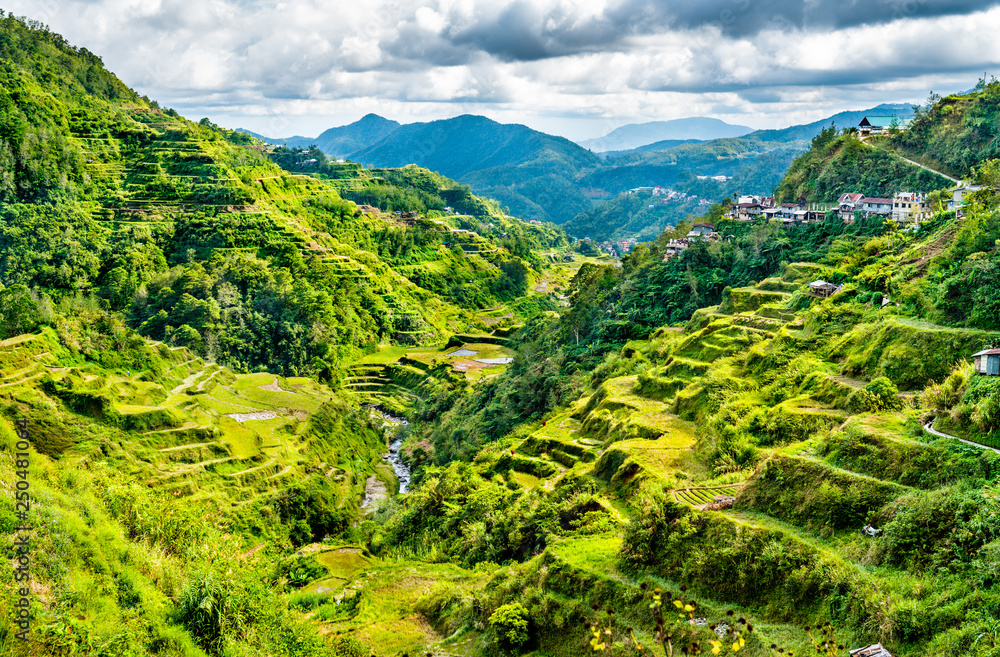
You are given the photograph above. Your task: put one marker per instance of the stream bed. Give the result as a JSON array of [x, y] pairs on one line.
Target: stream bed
[[399, 468]]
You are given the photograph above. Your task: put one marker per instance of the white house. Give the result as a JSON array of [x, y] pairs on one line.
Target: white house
[[701, 232], [909, 207], [959, 194]]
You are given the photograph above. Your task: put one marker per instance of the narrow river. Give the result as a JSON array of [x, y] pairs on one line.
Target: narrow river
[[400, 469]]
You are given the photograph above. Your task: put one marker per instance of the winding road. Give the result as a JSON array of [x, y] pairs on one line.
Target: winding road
[[931, 430]]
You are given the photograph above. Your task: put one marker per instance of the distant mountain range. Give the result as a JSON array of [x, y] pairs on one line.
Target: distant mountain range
[[342, 140], [635, 135], [549, 178]]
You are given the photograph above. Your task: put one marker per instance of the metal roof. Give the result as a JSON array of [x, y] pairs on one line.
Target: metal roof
[[987, 352], [874, 650], [883, 122]]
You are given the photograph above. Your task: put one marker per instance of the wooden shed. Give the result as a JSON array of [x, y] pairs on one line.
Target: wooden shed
[[821, 288], [987, 362]]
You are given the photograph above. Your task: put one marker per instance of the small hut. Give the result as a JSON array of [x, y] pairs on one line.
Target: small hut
[[823, 289], [987, 362], [874, 650]]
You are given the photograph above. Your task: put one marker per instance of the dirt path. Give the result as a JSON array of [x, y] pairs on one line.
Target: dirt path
[[252, 551], [931, 430], [917, 164], [273, 387]]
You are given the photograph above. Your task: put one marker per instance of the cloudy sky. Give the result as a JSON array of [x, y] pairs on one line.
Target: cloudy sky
[[578, 68]]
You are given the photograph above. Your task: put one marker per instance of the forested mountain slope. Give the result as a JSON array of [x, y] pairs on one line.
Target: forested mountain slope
[[538, 176], [148, 265], [204, 241]]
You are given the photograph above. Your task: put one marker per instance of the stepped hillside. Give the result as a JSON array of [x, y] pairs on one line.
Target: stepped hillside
[[227, 361], [707, 421], [177, 317], [807, 413], [192, 230]]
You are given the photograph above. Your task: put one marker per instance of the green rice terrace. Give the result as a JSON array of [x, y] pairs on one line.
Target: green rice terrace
[[267, 403]]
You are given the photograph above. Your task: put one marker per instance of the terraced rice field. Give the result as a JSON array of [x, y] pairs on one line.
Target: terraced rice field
[[699, 496]]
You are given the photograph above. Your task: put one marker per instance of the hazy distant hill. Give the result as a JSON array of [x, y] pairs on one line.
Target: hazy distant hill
[[655, 146], [342, 140], [635, 135]]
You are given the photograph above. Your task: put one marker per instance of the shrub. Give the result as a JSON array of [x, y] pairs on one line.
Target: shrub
[[510, 625], [878, 396], [944, 396], [299, 570], [347, 646], [207, 611]]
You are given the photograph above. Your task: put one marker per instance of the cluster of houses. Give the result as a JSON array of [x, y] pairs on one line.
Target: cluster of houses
[[904, 207], [619, 248], [752, 208], [667, 195]]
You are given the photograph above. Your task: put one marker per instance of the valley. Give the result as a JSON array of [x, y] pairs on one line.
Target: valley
[[266, 403]]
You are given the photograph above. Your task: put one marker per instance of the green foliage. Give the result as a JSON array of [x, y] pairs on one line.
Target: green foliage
[[310, 508], [510, 625], [669, 540], [206, 608], [958, 131], [299, 570], [878, 396], [839, 501], [921, 465], [942, 529], [19, 312], [946, 395]]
